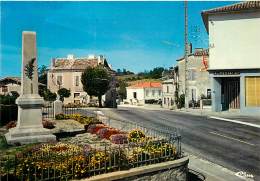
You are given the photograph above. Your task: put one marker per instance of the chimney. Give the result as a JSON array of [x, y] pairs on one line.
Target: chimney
[[190, 49], [53, 62]]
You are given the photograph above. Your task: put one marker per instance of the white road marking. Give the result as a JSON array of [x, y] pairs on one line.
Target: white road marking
[[232, 138], [235, 121]]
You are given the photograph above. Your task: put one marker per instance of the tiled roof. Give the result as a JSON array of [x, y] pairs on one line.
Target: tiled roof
[[204, 52], [233, 8], [82, 63], [146, 85]]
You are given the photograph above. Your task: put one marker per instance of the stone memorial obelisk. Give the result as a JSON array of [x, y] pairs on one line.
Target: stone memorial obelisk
[[29, 128]]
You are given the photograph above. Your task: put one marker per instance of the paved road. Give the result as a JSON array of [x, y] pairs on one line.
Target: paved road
[[231, 145]]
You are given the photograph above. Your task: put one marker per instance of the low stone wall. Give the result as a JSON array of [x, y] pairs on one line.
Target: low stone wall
[[176, 170]]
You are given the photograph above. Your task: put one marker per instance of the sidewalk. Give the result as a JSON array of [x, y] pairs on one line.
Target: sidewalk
[[234, 116], [209, 171]]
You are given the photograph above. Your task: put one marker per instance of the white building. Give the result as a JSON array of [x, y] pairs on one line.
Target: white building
[[234, 63], [144, 92]]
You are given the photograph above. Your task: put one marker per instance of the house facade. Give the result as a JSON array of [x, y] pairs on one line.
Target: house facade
[[66, 73], [12, 84], [234, 56], [170, 88], [198, 80], [144, 92]]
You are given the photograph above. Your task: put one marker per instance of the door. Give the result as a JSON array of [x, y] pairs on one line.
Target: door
[[230, 93]]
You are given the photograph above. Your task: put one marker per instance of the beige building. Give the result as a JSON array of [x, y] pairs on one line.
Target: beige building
[[169, 88], [66, 73], [10, 84], [198, 80]]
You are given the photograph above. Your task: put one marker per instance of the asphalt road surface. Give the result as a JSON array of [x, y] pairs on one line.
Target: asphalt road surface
[[231, 145]]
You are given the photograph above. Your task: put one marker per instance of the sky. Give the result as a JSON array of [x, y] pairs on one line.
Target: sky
[[137, 36]]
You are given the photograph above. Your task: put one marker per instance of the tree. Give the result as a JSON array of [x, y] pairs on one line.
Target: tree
[[15, 94], [156, 73], [47, 94], [122, 89], [96, 82], [42, 74], [63, 92]]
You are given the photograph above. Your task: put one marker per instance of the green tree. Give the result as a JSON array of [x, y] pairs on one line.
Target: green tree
[[47, 94], [122, 89], [181, 101], [63, 92], [156, 73], [96, 82], [42, 74]]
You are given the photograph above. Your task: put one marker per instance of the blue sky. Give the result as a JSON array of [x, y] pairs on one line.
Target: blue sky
[[137, 36]]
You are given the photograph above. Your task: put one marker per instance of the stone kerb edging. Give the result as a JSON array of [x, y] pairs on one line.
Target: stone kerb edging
[[169, 165]]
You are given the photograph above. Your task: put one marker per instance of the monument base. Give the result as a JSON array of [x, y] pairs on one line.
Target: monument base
[[17, 136], [29, 128]]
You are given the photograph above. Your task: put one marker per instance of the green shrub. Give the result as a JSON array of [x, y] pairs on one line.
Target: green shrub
[[61, 116], [8, 113]]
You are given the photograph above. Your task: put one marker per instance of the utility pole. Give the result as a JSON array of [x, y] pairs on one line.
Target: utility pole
[[186, 51]]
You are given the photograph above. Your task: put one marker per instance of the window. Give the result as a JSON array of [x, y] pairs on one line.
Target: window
[[192, 74], [209, 93], [159, 92], [77, 101], [167, 89], [135, 95], [164, 100], [77, 81], [4, 89], [153, 92], [193, 94], [147, 92], [252, 86], [59, 80], [76, 95]]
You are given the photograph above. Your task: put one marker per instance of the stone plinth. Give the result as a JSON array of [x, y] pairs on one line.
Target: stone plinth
[[29, 127]]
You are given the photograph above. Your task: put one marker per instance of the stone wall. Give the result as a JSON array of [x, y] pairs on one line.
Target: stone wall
[[176, 170], [171, 174]]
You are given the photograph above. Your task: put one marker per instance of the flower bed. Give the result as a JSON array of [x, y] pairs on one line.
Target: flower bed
[[62, 160], [79, 159], [85, 120]]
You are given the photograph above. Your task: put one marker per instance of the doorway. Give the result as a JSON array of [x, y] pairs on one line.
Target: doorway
[[230, 93]]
